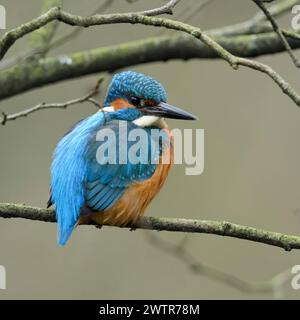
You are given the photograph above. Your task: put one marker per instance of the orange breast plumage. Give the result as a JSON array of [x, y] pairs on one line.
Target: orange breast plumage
[[136, 198]]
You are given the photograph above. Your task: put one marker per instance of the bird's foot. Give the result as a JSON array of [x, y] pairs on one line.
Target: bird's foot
[[131, 226]]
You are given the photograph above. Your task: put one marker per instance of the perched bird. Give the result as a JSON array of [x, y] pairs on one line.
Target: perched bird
[[85, 189]]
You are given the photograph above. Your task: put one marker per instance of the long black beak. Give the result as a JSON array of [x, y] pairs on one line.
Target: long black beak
[[165, 110]]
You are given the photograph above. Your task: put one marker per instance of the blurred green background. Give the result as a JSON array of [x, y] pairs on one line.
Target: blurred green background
[[251, 175]]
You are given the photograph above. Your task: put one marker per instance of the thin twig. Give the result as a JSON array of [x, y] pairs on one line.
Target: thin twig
[[198, 7], [187, 14], [165, 9], [9, 62], [42, 37], [61, 105], [256, 24], [180, 251], [278, 30], [74, 33]]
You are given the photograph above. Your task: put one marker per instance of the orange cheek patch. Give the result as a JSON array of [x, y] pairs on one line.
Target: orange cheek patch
[[150, 103], [121, 104]]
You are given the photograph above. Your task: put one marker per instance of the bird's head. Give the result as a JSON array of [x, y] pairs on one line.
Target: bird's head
[[135, 97]]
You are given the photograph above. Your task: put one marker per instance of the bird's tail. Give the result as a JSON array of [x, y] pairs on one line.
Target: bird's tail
[[64, 233], [67, 214]]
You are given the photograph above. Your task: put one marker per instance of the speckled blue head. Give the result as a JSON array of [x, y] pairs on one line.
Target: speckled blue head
[[127, 84]]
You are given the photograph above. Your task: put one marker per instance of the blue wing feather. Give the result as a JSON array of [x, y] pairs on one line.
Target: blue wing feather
[[114, 178], [69, 172], [79, 180]]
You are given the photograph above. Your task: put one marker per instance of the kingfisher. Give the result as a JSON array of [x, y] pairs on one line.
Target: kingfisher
[[87, 189]]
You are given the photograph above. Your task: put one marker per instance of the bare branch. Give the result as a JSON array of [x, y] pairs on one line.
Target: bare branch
[[278, 30], [291, 34], [221, 228], [273, 286], [57, 14], [256, 24], [42, 37], [281, 82], [43, 106], [47, 46], [74, 33], [27, 76]]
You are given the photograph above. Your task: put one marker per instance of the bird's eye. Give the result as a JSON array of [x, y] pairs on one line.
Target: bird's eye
[[135, 101]]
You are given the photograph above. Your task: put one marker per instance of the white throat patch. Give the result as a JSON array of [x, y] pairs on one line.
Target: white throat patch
[[108, 109], [146, 121]]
